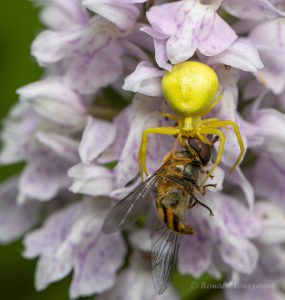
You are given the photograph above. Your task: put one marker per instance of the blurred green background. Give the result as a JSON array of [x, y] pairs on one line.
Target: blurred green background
[[19, 25]]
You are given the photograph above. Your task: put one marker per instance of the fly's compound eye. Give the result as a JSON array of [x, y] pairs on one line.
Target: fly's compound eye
[[203, 150]]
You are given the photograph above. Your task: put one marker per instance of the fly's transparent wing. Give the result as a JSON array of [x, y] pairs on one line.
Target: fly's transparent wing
[[165, 245], [131, 207]]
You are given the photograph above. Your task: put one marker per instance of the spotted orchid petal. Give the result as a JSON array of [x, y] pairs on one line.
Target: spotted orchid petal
[[269, 121], [91, 180], [268, 289], [136, 283], [273, 177], [146, 80], [159, 40], [61, 145], [16, 133], [72, 239], [195, 253], [59, 14], [44, 176], [55, 101], [186, 34], [254, 10], [241, 55], [271, 48], [273, 221], [122, 123], [122, 13], [15, 218], [144, 113], [226, 110], [98, 135], [228, 231], [238, 178], [91, 55], [104, 64]]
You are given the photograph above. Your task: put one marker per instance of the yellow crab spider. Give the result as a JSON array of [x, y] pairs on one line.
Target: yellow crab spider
[[190, 89]]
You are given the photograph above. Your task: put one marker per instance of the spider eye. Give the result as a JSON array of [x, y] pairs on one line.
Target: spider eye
[[203, 150]]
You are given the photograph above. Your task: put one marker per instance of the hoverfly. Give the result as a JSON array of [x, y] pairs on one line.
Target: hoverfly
[[169, 191]]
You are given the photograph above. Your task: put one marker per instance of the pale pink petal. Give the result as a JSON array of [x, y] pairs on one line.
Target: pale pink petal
[[90, 180], [227, 110], [185, 40], [96, 69], [53, 233], [122, 124], [53, 46], [160, 41], [195, 254], [162, 17], [122, 13], [269, 172], [188, 26], [146, 80], [240, 254], [72, 239], [228, 230], [50, 269], [253, 9], [59, 14], [161, 54], [136, 283], [144, 114], [97, 136], [213, 41], [51, 87], [44, 176], [91, 54], [55, 101], [241, 55], [239, 179], [16, 133], [61, 145], [15, 218], [269, 122], [271, 48], [96, 265], [273, 221]]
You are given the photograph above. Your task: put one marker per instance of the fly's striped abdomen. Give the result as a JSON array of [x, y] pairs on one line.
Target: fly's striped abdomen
[[171, 220]]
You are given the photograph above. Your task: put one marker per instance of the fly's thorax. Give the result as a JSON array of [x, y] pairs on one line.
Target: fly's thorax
[[191, 171], [183, 154], [188, 170]]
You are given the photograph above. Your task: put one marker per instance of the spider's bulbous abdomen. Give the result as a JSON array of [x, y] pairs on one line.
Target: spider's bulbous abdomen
[[190, 87]]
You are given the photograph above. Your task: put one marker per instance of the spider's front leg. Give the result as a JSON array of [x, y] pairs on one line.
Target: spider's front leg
[[143, 146], [224, 123]]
